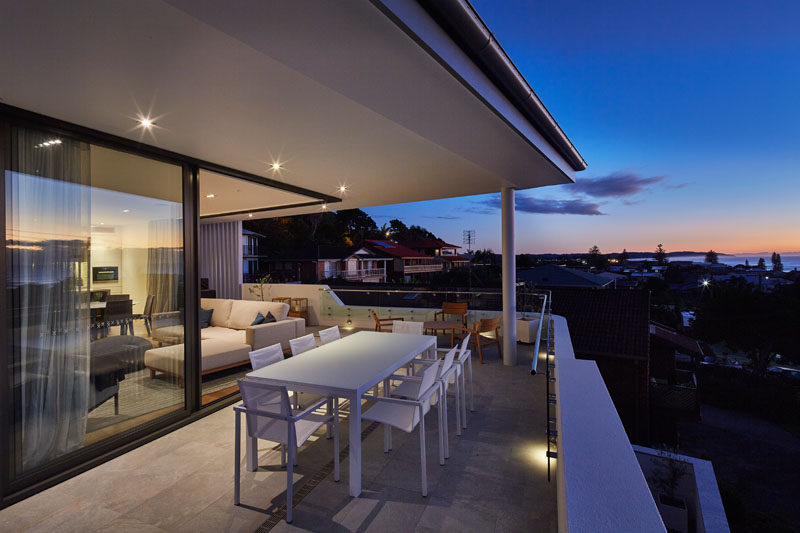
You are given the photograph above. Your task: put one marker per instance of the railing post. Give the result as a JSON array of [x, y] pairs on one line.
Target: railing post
[[509, 278]]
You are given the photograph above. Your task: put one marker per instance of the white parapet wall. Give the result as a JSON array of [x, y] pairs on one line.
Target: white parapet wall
[[601, 486]]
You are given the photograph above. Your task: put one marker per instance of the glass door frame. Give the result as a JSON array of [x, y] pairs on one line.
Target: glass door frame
[[85, 458]]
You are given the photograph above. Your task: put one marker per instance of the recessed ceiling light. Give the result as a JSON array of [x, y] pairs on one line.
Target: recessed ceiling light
[[342, 188], [102, 223], [276, 166], [126, 210], [324, 206], [145, 122], [250, 215], [212, 195]]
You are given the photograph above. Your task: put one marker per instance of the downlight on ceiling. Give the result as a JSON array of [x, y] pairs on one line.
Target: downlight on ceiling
[[211, 195]]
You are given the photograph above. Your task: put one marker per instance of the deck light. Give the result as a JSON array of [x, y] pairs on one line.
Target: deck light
[[705, 283]]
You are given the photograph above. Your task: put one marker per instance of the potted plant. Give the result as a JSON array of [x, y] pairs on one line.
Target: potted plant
[[667, 476], [259, 290]]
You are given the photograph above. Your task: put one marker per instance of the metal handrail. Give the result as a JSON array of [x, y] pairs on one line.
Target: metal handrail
[[538, 336]]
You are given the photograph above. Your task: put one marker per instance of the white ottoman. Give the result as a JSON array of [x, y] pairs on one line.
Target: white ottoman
[[527, 329]]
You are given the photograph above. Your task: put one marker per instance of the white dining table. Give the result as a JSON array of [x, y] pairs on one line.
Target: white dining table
[[345, 368]]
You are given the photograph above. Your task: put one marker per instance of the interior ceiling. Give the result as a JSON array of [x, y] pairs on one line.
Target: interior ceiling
[[334, 91]]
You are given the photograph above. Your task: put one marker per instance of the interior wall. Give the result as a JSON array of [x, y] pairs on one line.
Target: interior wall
[[220, 257]]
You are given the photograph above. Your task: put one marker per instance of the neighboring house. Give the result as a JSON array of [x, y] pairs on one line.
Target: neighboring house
[[447, 253], [611, 327], [560, 276], [352, 263], [673, 384], [253, 254], [407, 263]]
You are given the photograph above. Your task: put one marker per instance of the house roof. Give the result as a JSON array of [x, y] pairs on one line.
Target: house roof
[[606, 322], [559, 276], [429, 244], [681, 342], [392, 249]]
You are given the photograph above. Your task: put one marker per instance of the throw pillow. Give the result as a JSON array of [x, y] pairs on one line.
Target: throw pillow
[[205, 317], [269, 318], [259, 320]]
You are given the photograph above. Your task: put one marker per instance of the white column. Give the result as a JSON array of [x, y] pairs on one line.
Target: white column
[[509, 278]]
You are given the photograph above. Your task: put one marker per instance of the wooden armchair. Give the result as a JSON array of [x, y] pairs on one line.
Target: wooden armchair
[[380, 322], [480, 340], [458, 309]]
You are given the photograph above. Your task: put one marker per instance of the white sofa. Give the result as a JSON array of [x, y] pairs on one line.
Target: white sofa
[[228, 340]]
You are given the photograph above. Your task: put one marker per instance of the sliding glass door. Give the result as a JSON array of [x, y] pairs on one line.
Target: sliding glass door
[[95, 295]]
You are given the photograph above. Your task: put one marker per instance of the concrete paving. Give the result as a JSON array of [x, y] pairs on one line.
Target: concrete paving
[[494, 480]]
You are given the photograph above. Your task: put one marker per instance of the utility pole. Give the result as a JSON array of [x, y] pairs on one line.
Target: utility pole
[[469, 240]]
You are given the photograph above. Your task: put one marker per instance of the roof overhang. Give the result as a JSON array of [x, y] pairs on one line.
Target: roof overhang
[[374, 96]]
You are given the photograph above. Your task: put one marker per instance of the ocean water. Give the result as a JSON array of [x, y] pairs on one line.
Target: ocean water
[[790, 260]]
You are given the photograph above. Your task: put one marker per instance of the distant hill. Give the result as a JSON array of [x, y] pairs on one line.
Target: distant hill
[[631, 255]]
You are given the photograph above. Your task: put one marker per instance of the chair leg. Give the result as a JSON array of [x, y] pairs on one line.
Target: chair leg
[[440, 419], [295, 452], [116, 404], [457, 384], [237, 450], [147, 325], [422, 459], [471, 391], [443, 403], [464, 395], [499, 346], [283, 455], [336, 439]]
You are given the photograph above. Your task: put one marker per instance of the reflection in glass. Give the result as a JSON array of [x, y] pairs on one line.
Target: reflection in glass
[[95, 255]]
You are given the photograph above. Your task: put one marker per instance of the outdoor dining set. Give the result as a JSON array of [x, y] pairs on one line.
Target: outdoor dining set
[[401, 374]]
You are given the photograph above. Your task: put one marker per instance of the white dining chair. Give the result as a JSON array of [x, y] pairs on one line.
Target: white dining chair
[[414, 328], [408, 413], [269, 416], [266, 356], [302, 344], [463, 363], [329, 335], [447, 373]]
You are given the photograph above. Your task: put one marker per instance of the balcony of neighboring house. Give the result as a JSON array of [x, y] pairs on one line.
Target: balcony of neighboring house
[[362, 274], [418, 266]]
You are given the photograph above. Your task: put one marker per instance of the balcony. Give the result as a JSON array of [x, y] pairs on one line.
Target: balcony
[[499, 477], [253, 250], [360, 274], [429, 267]]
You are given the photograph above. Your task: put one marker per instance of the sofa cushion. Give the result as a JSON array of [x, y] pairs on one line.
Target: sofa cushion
[[243, 312], [259, 319], [205, 317], [214, 354], [231, 335], [222, 310]]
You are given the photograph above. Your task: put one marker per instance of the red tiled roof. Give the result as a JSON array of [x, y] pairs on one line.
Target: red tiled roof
[[606, 321], [681, 342], [392, 249], [427, 244]]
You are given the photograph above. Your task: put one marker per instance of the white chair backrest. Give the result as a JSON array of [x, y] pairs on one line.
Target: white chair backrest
[[429, 376], [464, 346], [414, 328], [270, 399], [329, 335], [448, 360], [302, 344], [266, 356]]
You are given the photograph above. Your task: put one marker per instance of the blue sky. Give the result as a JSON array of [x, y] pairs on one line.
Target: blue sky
[[688, 115]]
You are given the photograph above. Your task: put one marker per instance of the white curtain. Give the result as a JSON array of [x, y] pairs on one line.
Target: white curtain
[[165, 263], [47, 237]]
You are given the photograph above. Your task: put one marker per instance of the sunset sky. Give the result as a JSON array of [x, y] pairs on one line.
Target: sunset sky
[[687, 113]]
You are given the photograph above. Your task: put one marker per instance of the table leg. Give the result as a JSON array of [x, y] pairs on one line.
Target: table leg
[[355, 445]]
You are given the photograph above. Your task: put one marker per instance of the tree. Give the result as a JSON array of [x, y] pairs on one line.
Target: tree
[[747, 263], [524, 261], [623, 257], [595, 258], [712, 257], [762, 264], [777, 264], [661, 254]]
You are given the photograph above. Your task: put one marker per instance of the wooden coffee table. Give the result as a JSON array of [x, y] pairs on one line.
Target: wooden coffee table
[[436, 325]]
